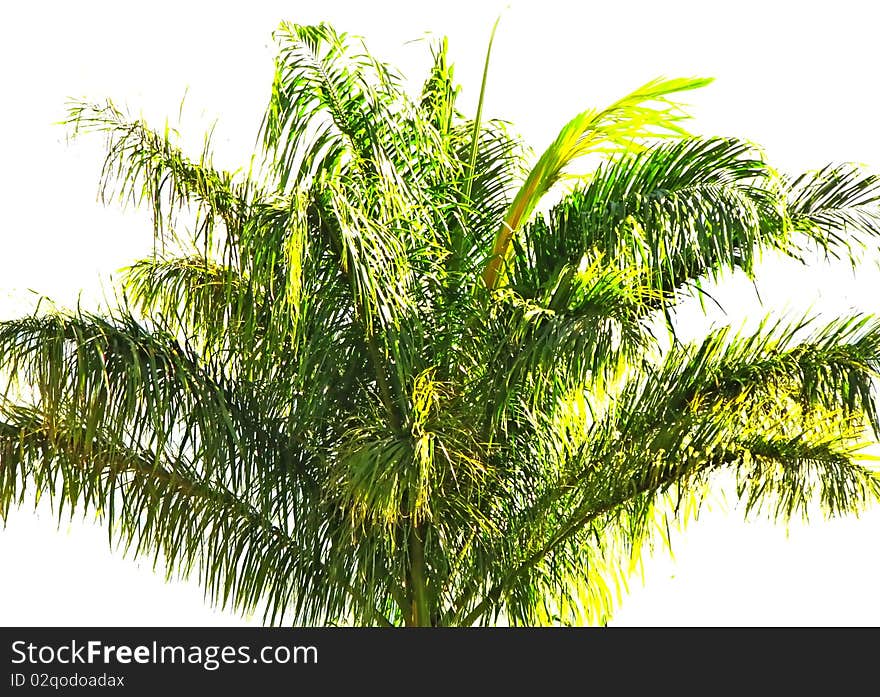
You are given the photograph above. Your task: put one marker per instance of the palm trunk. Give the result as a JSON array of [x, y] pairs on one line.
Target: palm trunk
[[420, 611]]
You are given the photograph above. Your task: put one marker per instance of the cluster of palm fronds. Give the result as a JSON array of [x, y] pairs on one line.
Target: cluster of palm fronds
[[367, 383]]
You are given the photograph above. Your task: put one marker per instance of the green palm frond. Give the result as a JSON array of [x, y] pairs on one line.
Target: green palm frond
[[645, 113], [119, 376], [200, 298], [336, 108], [153, 505], [144, 165], [679, 211], [786, 410], [836, 208], [440, 90]]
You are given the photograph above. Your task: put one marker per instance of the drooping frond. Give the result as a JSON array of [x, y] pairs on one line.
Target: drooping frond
[[334, 108], [117, 376], [205, 301], [837, 207], [144, 165], [786, 410], [677, 211], [159, 506], [579, 331]]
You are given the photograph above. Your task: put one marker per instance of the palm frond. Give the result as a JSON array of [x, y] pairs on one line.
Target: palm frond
[[679, 211], [153, 505], [644, 113], [837, 207], [785, 409], [149, 389], [440, 90], [145, 165]]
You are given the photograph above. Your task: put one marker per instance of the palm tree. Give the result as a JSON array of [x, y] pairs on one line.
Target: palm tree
[[389, 375]]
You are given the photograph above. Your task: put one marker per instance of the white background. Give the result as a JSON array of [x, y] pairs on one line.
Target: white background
[[797, 78]]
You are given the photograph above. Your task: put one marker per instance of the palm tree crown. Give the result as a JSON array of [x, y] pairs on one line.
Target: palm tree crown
[[383, 378]]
